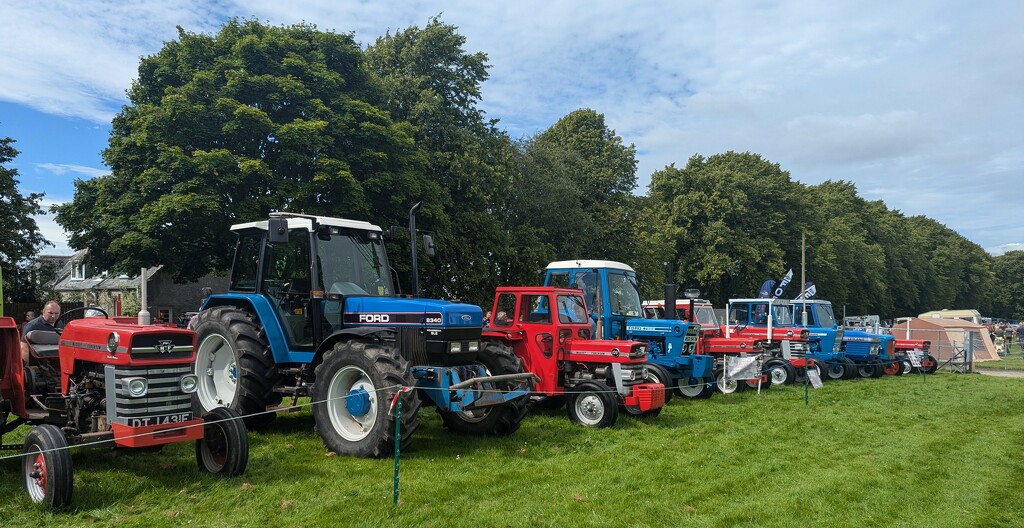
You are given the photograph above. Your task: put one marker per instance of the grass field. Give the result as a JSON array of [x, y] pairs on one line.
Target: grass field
[[911, 451]]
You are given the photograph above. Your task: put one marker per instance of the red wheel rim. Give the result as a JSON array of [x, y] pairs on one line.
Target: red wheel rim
[[891, 369]]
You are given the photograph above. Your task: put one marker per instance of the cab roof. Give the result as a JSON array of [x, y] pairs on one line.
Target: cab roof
[[588, 264], [305, 222]]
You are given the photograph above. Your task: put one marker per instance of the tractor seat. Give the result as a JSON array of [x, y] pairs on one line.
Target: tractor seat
[[42, 344]]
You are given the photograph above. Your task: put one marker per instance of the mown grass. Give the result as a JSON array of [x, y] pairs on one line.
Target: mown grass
[[911, 451]]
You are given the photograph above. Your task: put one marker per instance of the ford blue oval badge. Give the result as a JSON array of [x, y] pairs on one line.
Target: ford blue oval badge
[[466, 318]]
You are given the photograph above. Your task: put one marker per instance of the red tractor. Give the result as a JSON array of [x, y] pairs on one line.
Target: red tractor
[[549, 330], [101, 382]]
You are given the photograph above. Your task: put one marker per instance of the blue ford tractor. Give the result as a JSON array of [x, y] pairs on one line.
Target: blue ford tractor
[[311, 310], [613, 301], [873, 354]]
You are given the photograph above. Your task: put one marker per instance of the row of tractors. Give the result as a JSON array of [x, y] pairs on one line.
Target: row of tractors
[[312, 311]]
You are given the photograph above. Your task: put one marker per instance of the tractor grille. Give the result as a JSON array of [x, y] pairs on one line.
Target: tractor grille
[[161, 346], [413, 345], [163, 403]]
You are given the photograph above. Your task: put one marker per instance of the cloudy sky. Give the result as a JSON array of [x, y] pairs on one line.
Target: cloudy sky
[[920, 104]]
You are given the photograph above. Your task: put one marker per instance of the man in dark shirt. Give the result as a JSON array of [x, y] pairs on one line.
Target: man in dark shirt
[[45, 322]]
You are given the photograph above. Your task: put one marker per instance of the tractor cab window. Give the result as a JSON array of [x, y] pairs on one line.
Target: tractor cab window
[[535, 309], [571, 309], [246, 265], [740, 314], [624, 295], [286, 281], [826, 317], [506, 309], [782, 315], [705, 315], [587, 281], [559, 279], [654, 312], [353, 262]]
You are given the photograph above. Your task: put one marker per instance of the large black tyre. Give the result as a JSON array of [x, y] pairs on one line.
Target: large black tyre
[[930, 369], [592, 404], [836, 370], [851, 368], [879, 370], [822, 369], [224, 447], [695, 388], [235, 366], [46, 467], [654, 373], [867, 370], [727, 387], [352, 395], [781, 372], [496, 420]]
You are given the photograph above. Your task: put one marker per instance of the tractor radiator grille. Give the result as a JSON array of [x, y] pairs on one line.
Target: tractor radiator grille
[[413, 345], [164, 401]]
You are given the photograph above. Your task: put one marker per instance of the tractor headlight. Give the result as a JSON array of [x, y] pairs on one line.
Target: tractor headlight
[[189, 383], [112, 341], [137, 387], [454, 347], [474, 346]]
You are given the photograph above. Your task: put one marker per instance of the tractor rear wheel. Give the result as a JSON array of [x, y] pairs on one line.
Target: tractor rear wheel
[[46, 467], [593, 404], [494, 420], [234, 365], [224, 447], [654, 373], [781, 372], [695, 388], [351, 397]]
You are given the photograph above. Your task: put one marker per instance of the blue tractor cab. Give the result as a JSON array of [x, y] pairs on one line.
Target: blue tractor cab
[[612, 296]]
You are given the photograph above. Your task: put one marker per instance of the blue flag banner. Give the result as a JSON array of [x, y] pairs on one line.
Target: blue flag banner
[[782, 284], [766, 289], [809, 291]]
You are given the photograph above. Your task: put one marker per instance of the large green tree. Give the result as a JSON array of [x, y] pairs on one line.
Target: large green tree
[[728, 221], [22, 239], [229, 127], [432, 82]]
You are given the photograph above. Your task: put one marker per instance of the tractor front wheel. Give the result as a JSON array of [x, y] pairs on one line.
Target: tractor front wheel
[[929, 364], [351, 397], [592, 404], [836, 370], [867, 370], [46, 467], [781, 372], [695, 388], [234, 365], [727, 386], [851, 368], [495, 420], [224, 447]]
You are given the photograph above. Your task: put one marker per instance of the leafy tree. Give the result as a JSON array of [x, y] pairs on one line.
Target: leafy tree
[[600, 176], [22, 239], [1009, 273], [229, 127], [432, 82], [728, 221]]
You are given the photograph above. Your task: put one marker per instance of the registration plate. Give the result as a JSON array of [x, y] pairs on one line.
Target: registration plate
[[160, 420]]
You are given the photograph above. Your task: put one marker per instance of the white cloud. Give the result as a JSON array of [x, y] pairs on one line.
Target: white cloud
[[917, 103], [62, 169]]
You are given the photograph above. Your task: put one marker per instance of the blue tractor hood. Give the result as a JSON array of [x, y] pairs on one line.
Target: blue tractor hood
[[403, 311]]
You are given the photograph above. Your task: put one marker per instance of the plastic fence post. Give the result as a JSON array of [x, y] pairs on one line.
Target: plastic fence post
[[398, 444]]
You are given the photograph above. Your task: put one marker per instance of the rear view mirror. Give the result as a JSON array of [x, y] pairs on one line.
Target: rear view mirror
[[277, 230], [428, 245]]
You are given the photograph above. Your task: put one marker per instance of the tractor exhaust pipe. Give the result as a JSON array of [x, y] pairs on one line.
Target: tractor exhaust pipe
[[412, 237], [670, 292]]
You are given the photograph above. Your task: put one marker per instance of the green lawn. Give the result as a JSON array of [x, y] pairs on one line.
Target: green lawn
[[911, 451]]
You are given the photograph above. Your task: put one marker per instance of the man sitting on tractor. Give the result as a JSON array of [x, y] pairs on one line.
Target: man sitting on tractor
[[47, 322]]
